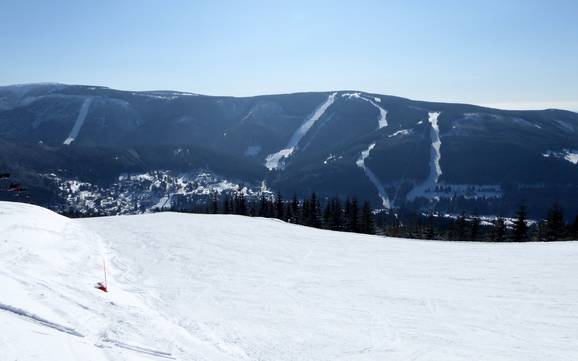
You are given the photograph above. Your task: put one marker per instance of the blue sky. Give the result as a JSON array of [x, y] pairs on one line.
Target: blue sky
[[508, 53]]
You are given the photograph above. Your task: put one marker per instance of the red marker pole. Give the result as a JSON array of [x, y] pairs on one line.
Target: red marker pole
[[105, 281]]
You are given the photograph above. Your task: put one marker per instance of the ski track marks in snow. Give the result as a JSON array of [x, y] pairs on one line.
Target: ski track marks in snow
[[140, 349], [37, 319], [79, 122], [382, 120], [372, 177], [273, 160], [428, 186], [224, 288]]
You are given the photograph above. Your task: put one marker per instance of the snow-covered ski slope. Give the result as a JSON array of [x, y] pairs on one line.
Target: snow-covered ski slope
[[215, 287], [272, 161], [79, 122]]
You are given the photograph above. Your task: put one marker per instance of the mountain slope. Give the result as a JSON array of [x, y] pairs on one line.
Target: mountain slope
[[486, 160], [200, 287]]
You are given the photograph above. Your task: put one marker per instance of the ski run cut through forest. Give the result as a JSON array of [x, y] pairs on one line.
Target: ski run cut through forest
[[228, 287]]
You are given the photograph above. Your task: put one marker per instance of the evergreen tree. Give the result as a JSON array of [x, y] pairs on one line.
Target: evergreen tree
[[263, 212], [430, 229], [240, 204], [289, 217], [337, 215], [279, 209], [574, 229], [499, 231], [327, 216], [304, 215], [461, 225], [314, 212], [555, 226], [520, 231], [226, 205], [295, 209], [347, 214], [253, 209], [353, 219], [475, 229], [367, 224], [213, 203]]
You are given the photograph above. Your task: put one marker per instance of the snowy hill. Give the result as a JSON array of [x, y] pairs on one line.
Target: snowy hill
[[216, 287], [391, 151]]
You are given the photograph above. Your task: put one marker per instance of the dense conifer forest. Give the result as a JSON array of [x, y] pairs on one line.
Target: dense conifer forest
[[351, 215]]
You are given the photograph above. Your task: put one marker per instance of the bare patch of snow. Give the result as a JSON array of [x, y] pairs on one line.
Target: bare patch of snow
[[331, 158], [571, 155], [401, 132]]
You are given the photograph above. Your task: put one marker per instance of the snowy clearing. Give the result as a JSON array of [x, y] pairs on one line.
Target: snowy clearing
[[427, 187], [382, 120], [219, 287], [570, 155], [372, 177], [79, 122], [273, 160]]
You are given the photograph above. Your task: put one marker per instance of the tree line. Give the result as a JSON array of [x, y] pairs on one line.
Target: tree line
[[332, 214], [349, 216]]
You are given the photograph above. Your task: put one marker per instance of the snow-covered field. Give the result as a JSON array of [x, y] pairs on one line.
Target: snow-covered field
[[216, 287]]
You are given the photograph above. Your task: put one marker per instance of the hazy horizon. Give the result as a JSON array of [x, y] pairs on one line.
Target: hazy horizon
[[503, 106], [514, 55]]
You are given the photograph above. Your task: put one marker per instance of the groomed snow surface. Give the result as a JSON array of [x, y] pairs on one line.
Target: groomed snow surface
[[217, 287]]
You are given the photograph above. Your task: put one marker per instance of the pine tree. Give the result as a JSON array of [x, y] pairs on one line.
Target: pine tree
[[461, 225], [262, 212], [574, 229], [304, 215], [367, 224], [520, 232], [499, 232], [289, 217], [327, 216], [430, 231], [347, 215], [226, 205], [240, 204], [555, 225], [253, 209], [475, 230], [214, 209], [337, 214], [279, 209], [353, 220], [314, 212], [295, 209]]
